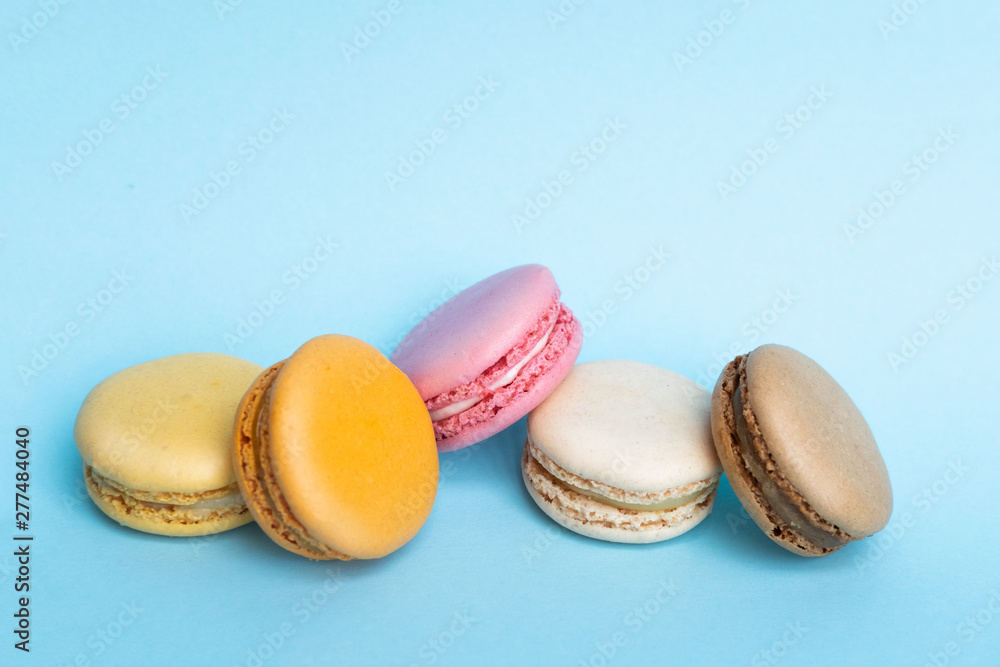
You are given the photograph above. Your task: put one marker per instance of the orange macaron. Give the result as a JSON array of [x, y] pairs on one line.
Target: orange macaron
[[335, 452]]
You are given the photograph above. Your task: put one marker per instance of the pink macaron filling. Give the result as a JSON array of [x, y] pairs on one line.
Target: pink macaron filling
[[510, 377]]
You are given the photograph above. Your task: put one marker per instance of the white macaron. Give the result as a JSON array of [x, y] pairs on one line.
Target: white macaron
[[622, 451]]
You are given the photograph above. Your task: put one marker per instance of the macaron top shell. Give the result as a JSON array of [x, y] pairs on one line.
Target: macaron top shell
[[630, 425], [165, 425], [819, 439], [475, 328], [352, 447]]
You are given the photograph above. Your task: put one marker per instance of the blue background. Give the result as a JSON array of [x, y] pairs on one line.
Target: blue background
[[490, 580]]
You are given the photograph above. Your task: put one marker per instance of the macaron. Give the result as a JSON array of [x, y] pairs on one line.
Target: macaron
[[798, 452], [490, 354], [155, 442], [622, 451], [335, 452]]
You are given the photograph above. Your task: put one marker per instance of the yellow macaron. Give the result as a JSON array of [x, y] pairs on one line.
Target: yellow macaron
[[155, 437]]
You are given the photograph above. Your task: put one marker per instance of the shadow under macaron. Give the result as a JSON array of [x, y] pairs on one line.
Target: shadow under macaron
[[249, 541], [738, 534], [489, 461], [736, 531]]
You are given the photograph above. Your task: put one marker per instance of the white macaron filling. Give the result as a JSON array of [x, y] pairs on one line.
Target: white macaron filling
[[659, 501], [666, 504], [509, 376], [453, 409]]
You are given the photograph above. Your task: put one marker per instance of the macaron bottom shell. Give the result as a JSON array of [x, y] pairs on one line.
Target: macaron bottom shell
[[166, 514], [588, 516]]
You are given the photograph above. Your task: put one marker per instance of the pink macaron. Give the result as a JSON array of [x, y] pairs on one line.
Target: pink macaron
[[490, 354]]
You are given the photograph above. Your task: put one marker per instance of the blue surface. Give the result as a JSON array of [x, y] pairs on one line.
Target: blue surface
[[247, 139]]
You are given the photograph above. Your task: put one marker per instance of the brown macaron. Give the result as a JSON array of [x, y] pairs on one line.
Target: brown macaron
[[798, 452]]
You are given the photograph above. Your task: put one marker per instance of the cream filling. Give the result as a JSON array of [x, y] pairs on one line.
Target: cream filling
[[201, 507], [666, 504], [453, 409], [509, 376]]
